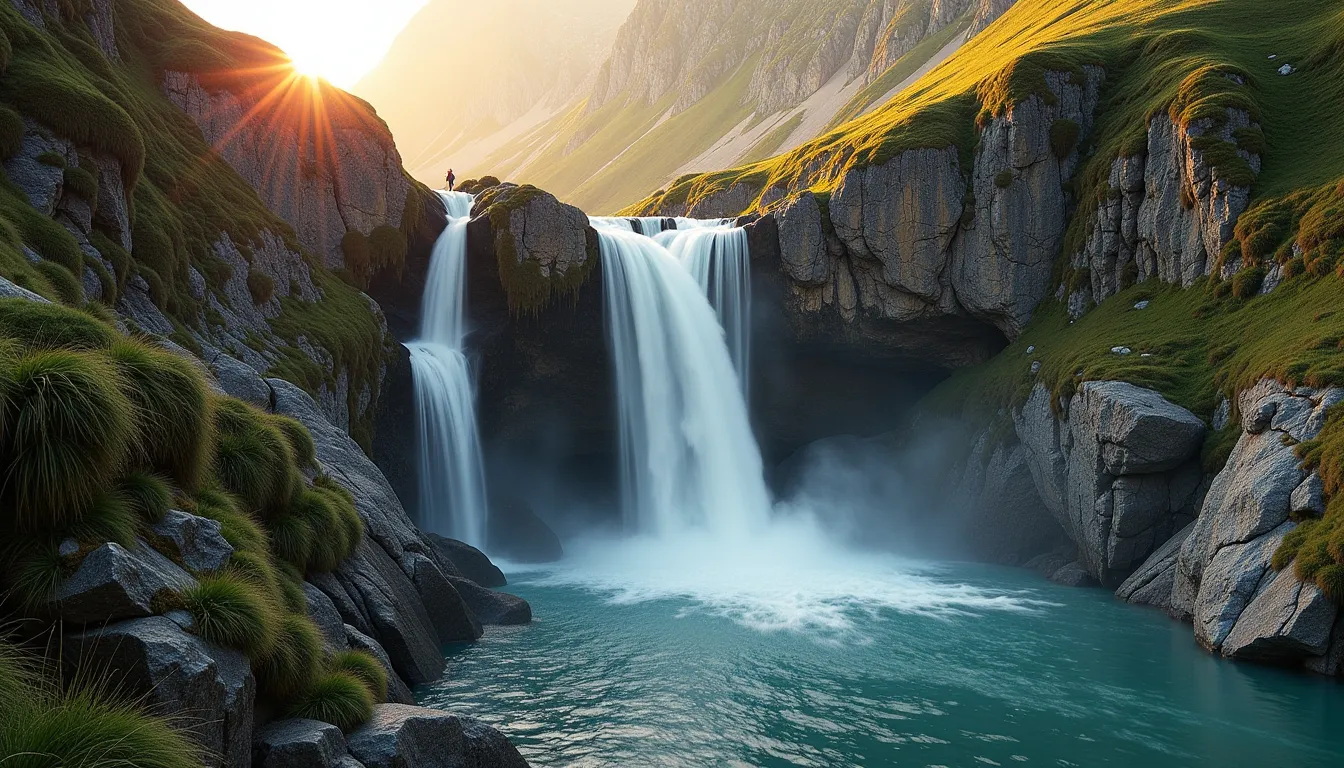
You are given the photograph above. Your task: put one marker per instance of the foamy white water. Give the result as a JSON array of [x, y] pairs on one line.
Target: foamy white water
[[689, 459], [451, 471], [719, 259], [791, 576]]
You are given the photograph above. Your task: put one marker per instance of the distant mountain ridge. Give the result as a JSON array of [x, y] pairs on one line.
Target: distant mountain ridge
[[686, 87]]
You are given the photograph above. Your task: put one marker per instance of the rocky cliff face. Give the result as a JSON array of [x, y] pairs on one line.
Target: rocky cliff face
[[318, 158], [930, 260], [1117, 468], [1169, 212]]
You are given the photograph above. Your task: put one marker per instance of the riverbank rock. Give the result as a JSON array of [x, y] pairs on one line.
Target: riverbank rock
[[469, 561], [1118, 468], [492, 607], [114, 583], [1224, 581], [400, 736], [210, 689]]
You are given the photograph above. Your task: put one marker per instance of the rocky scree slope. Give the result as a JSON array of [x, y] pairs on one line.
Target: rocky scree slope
[[705, 84], [171, 323], [1131, 196]]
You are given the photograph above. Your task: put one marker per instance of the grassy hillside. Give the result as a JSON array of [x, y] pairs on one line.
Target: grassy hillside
[[182, 196], [1159, 55]]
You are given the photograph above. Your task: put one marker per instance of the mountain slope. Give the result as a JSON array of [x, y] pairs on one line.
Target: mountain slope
[[687, 86], [464, 77]]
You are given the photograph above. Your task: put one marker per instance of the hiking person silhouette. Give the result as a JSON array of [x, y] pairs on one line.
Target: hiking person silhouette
[[451, 178]]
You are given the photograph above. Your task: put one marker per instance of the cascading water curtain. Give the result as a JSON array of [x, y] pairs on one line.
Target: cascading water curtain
[[451, 470], [720, 260], [689, 458]]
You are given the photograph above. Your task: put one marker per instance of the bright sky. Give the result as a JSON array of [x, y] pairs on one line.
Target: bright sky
[[337, 39]]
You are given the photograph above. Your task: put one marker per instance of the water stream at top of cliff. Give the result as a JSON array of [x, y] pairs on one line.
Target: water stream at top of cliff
[[451, 470]]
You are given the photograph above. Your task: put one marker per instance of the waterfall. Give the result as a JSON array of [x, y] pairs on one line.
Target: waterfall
[[688, 456], [452, 474], [718, 257]]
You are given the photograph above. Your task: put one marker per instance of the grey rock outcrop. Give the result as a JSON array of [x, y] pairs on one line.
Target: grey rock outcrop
[[538, 233], [1004, 519], [298, 743], [1119, 470], [208, 688], [401, 736], [1152, 583], [1002, 265], [397, 690], [384, 588], [491, 607], [1170, 213], [196, 541], [1073, 575], [1224, 581], [988, 12], [468, 561], [114, 583]]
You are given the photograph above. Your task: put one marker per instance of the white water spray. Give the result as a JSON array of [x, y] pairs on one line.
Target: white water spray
[[689, 459], [452, 474]]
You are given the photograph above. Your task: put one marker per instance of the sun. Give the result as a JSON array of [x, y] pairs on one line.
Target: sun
[[312, 65]]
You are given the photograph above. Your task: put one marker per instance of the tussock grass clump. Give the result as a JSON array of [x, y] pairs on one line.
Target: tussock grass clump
[[237, 527], [111, 516], [68, 288], [338, 698], [51, 326], [68, 429], [365, 667], [261, 286], [173, 403], [82, 183], [293, 538], [44, 724], [294, 662], [33, 570], [149, 496], [231, 611], [253, 459], [300, 440], [11, 132]]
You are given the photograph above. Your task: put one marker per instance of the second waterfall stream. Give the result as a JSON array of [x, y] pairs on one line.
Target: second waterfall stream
[[689, 459], [451, 470]]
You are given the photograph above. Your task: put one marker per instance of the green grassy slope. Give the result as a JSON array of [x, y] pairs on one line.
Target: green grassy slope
[[1159, 54]]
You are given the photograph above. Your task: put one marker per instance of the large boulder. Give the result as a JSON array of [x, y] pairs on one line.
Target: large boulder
[[209, 689], [298, 744], [492, 607], [1224, 580], [195, 541], [1152, 583], [400, 736], [114, 583], [469, 561], [1118, 468]]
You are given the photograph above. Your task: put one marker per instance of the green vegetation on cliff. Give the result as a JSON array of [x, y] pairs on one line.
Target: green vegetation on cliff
[[1183, 56], [100, 433]]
